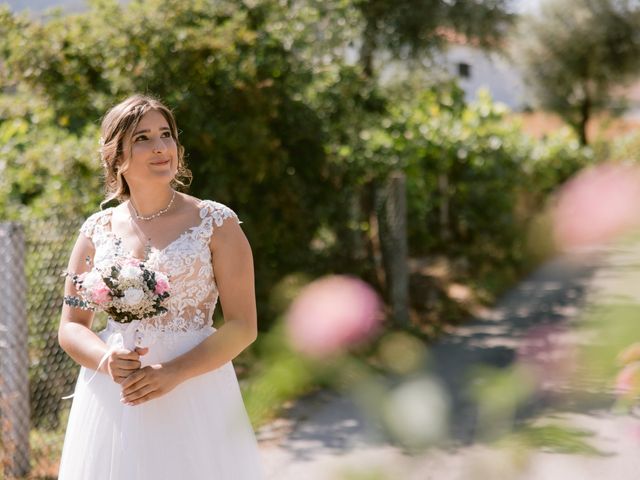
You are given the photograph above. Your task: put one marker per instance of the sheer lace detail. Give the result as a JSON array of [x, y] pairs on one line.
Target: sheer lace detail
[[186, 260]]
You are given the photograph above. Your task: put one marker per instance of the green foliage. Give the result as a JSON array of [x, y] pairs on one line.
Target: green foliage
[[556, 438], [415, 28], [575, 51], [289, 135], [422, 24], [47, 172], [474, 180], [621, 149], [252, 140]]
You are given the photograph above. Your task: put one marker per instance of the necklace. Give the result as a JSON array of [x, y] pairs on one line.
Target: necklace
[[157, 214]]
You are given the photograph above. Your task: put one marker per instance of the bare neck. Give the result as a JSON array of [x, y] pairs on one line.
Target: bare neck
[[149, 200]]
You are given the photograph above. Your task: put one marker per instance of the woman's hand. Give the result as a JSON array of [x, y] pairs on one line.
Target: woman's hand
[[148, 383], [122, 363]]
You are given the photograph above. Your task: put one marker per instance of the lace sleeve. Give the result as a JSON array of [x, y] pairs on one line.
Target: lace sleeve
[[217, 213], [91, 224]]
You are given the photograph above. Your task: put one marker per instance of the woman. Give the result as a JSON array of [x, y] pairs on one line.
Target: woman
[[171, 408]]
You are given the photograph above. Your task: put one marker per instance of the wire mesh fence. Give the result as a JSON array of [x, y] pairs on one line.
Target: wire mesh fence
[[14, 385], [33, 256]]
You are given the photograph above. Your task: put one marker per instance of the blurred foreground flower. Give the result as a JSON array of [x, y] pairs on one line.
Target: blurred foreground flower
[[628, 380], [331, 314], [627, 383], [417, 413], [597, 205], [630, 354]]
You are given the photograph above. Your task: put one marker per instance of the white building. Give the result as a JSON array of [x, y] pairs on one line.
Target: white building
[[473, 67], [476, 68]]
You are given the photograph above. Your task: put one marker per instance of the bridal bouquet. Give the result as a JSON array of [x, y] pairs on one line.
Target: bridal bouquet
[[126, 290]]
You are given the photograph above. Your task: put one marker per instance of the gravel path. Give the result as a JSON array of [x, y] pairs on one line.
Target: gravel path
[[325, 436]]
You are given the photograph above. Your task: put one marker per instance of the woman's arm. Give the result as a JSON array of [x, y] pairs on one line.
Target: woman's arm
[[74, 333], [233, 269]]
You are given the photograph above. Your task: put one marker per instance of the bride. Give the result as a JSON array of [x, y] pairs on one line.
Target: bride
[[164, 403]]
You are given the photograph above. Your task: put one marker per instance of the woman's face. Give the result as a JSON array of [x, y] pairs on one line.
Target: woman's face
[[150, 153]]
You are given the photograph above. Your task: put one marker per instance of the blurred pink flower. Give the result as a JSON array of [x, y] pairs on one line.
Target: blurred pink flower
[[628, 379], [332, 313], [596, 205]]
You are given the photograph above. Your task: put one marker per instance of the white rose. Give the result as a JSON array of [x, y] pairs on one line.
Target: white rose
[[133, 296], [91, 279], [130, 272], [161, 277]]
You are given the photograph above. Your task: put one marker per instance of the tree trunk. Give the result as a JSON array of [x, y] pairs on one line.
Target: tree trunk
[[368, 48], [443, 188], [585, 116]]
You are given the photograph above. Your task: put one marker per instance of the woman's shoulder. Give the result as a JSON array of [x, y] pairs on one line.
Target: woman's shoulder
[[96, 220], [101, 216]]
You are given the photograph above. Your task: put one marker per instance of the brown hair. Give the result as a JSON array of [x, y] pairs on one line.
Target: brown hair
[[120, 121]]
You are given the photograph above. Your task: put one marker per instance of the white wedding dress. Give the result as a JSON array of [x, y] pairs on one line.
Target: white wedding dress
[[199, 430]]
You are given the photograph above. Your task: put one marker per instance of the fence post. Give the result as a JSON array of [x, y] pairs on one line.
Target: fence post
[[14, 355], [392, 208]]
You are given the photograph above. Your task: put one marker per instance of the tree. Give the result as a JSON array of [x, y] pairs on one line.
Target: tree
[[575, 52], [414, 28]]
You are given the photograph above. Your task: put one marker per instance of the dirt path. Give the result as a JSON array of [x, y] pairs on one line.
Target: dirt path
[[325, 435]]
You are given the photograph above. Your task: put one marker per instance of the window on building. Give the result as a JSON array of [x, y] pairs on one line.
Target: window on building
[[464, 70]]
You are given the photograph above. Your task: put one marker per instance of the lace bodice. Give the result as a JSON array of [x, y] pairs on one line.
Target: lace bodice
[[186, 260]]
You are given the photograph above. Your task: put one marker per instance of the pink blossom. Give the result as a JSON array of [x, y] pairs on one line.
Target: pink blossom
[[332, 313], [101, 294], [597, 205], [162, 284]]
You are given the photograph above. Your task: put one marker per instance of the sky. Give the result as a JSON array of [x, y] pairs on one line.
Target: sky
[[527, 5], [39, 5]]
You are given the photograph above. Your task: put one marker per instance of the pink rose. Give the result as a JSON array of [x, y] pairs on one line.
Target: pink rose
[[162, 284], [100, 294]]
